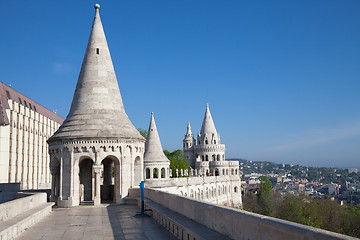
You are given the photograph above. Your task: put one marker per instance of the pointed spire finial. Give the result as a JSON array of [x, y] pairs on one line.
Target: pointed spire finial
[[188, 132], [97, 6]]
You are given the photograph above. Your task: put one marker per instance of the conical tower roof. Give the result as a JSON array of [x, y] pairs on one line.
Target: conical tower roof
[[208, 126], [97, 110], [153, 148]]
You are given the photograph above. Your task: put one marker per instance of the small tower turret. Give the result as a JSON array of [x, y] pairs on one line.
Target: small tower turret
[[188, 146], [156, 164]]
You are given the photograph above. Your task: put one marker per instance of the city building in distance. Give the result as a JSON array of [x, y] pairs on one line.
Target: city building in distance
[[24, 128]]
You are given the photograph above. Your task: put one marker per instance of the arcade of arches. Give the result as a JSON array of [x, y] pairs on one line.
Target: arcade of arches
[[94, 176]]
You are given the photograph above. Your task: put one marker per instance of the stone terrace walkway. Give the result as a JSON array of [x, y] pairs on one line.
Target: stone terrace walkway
[[104, 222]]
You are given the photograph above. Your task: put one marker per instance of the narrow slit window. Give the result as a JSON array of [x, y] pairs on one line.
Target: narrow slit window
[[97, 51], [25, 103], [20, 101], [34, 108], [8, 94], [30, 106]]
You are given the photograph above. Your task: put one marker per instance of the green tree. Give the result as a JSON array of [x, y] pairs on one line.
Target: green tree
[[265, 196], [143, 132], [177, 161], [291, 210]]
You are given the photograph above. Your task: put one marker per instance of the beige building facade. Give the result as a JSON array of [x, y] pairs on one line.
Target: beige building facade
[[24, 128]]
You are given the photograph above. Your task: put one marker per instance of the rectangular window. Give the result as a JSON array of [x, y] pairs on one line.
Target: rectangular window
[[97, 51]]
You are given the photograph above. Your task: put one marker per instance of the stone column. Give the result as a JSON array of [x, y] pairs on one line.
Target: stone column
[[97, 198], [61, 177], [52, 197]]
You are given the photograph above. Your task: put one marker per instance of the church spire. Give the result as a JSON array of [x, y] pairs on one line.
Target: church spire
[[97, 109], [153, 148], [208, 125]]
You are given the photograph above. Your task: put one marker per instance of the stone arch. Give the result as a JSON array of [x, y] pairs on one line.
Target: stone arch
[[163, 175], [147, 173], [137, 171], [232, 171], [156, 173], [55, 172], [216, 172], [110, 190], [86, 178], [223, 172]]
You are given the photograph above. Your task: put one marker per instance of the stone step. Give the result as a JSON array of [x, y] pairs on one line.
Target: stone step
[[13, 227], [130, 201]]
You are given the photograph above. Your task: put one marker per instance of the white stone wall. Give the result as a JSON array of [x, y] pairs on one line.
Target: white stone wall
[[223, 190], [24, 154], [238, 224]]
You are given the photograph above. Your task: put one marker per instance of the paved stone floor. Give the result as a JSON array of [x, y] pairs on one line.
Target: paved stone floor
[[104, 222]]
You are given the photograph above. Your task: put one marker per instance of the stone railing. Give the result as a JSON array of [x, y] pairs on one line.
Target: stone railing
[[23, 203], [238, 224]]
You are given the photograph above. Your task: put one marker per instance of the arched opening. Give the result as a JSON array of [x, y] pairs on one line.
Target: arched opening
[[236, 173], [235, 189], [218, 157], [147, 173], [207, 158], [223, 172], [110, 188], [232, 171], [216, 172], [137, 171], [202, 158], [227, 172], [86, 179], [163, 173], [155, 173], [55, 172], [213, 157]]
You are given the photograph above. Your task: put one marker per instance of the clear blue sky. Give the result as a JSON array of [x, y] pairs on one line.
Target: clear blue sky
[[282, 78]]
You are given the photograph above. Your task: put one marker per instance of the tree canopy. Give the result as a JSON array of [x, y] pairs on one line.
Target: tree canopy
[[143, 132], [177, 161], [265, 196]]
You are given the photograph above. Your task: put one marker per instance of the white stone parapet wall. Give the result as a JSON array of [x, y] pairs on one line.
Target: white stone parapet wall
[[238, 224], [225, 190], [24, 154], [26, 202]]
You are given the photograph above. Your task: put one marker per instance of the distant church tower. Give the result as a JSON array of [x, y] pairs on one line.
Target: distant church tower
[[97, 137], [207, 157], [156, 164]]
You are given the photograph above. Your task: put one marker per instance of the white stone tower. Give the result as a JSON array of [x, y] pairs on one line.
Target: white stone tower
[[156, 164], [207, 155], [188, 146], [96, 136]]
